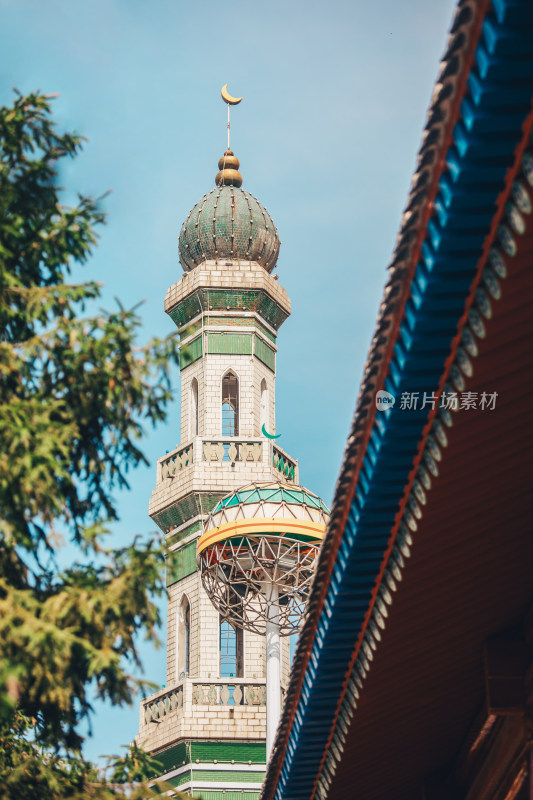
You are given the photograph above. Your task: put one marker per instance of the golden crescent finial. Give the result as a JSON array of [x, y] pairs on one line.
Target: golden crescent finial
[[227, 98]]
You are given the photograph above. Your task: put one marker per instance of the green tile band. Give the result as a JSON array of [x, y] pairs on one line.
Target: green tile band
[[256, 300], [234, 322], [177, 537], [191, 352], [188, 507], [206, 753], [264, 353], [229, 343], [217, 776], [181, 563], [229, 794]]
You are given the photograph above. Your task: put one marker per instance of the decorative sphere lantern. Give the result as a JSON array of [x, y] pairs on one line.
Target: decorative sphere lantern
[[256, 557]]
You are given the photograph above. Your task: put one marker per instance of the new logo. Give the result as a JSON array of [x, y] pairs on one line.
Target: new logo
[[384, 400]]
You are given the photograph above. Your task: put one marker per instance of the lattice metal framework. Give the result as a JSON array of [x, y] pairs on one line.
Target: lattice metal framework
[[259, 537]]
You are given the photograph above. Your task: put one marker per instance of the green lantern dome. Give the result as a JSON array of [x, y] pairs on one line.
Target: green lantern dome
[[228, 223], [259, 545], [269, 500]]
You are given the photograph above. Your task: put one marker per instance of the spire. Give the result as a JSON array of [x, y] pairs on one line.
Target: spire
[[228, 165], [229, 174]]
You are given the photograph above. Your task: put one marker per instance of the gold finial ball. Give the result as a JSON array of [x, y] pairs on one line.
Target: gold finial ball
[[228, 161], [229, 174]]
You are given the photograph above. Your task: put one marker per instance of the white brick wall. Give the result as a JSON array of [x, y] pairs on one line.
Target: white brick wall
[[209, 371]]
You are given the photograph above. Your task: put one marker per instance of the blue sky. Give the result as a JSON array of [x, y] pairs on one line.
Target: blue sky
[[335, 98]]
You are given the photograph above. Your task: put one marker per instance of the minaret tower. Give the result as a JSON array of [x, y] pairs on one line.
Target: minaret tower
[[207, 726]]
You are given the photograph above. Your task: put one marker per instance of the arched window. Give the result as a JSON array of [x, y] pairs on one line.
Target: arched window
[[264, 404], [231, 650], [194, 423], [184, 638], [230, 405]]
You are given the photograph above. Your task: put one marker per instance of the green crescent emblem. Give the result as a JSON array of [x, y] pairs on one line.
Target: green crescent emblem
[[269, 435]]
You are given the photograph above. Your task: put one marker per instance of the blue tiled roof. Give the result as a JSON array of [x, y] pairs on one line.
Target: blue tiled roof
[[478, 154]]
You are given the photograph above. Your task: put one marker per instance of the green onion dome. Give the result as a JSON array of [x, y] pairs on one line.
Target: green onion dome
[[228, 224]]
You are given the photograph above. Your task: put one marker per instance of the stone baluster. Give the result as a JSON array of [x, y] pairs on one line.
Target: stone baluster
[[224, 695]]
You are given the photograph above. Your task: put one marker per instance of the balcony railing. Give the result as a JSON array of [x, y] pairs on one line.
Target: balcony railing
[[285, 465], [229, 693], [174, 462], [216, 692], [232, 450], [229, 450], [157, 708]]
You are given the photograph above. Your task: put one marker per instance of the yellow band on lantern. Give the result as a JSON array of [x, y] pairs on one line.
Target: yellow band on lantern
[[283, 526]]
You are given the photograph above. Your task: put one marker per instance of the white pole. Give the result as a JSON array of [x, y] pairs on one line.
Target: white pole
[[273, 672]]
